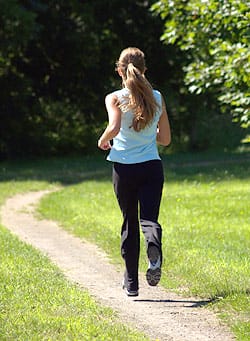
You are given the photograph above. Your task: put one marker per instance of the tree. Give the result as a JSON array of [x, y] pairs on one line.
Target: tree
[[57, 63], [49, 67], [17, 29], [214, 35]]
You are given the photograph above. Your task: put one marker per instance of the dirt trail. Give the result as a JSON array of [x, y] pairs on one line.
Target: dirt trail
[[159, 314]]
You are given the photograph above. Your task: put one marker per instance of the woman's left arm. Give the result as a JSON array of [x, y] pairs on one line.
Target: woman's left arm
[[163, 131], [113, 127]]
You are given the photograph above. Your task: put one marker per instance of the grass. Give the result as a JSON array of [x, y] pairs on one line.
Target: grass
[[205, 217], [204, 214], [36, 301]]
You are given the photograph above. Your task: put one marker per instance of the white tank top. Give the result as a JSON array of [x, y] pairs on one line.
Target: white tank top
[[130, 146]]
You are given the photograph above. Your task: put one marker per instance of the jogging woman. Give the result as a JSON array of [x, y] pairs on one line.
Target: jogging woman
[[138, 120]]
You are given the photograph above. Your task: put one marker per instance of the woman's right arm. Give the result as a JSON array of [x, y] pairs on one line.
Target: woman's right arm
[[113, 127], [163, 131]]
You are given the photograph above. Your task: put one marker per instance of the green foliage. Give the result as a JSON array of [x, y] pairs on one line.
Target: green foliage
[[215, 38], [17, 29], [66, 128], [57, 63]]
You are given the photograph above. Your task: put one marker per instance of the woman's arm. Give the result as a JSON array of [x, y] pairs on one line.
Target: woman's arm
[[113, 127], [163, 131]]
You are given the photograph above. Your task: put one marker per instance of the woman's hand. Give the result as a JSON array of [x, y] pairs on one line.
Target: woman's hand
[[104, 145]]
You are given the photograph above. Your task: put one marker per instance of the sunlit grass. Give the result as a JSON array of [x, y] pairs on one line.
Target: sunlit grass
[[206, 235], [204, 215], [207, 227], [37, 302]]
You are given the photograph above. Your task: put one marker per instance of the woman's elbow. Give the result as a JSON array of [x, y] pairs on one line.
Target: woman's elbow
[[164, 140]]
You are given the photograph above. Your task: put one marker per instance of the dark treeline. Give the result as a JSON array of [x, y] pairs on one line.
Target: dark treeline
[[57, 63]]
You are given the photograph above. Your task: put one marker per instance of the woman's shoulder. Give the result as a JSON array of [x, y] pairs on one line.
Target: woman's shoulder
[[120, 92], [157, 95], [156, 92], [119, 95]]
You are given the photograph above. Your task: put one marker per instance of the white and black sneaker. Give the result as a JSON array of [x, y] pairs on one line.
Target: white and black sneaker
[[129, 292], [153, 274]]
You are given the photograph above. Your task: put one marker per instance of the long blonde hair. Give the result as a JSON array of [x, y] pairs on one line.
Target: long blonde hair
[[141, 100]]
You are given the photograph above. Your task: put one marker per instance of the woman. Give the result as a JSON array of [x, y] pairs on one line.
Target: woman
[[137, 122]]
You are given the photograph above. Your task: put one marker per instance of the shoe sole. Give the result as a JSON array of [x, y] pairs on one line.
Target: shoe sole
[[153, 276]]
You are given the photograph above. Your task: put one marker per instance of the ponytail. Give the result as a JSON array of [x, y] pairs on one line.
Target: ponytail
[[141, 100]]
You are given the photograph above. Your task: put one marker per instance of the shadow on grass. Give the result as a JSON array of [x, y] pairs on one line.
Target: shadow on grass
[[207, 167], [66, 171], [200, 167]]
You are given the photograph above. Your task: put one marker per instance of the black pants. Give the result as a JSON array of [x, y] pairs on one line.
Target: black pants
[[134, 184]]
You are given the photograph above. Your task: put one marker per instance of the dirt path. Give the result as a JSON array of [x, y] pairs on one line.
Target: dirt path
[[159, 314]]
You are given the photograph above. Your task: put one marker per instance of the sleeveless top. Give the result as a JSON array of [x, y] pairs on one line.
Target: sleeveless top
[[130, 146]]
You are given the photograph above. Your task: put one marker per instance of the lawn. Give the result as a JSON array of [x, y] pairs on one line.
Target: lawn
[[206, 223], [204, 215], [36, 301]]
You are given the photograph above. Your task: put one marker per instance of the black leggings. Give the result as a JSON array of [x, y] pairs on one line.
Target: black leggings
[[138, 183]]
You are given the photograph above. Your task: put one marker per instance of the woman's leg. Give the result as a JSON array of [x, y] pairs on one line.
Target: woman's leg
[[150, 199], [125, 187]]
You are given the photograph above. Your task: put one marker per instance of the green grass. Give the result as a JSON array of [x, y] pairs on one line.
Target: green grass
[[36, 301], [205, 219], [204, 215]]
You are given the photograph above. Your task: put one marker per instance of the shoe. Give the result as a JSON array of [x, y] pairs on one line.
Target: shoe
[[129, 292], [153, 274]]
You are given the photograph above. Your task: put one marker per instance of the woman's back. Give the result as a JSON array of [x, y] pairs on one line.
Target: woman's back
[[130, 146]]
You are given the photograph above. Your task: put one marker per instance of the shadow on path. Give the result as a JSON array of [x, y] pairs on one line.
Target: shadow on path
[[189, 304]]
